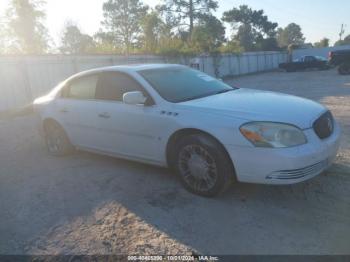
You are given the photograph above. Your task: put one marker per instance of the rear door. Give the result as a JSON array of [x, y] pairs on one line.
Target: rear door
[[77, 110]]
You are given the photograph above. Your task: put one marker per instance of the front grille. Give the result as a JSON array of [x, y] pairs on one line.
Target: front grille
[[324, 125], [299, 173]]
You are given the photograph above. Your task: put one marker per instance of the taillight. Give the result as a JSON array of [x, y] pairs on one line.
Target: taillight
[[330, 55]]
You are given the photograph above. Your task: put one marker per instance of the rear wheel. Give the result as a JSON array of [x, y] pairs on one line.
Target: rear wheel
[[57, 141], [344, 69], [203, 166]]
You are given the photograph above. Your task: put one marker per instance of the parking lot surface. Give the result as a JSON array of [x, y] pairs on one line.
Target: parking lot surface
[[90, 204]]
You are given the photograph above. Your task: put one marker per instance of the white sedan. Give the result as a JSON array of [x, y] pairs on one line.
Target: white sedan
[[211, 133]]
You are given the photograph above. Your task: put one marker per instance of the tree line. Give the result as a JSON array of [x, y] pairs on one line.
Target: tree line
[[175, 27]]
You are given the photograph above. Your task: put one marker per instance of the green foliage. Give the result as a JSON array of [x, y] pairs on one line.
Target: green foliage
[[24, 28], [346, 41], [174, 47], [175, 28], [291, 34], [3, 38], [184, 13], [153, 28], [208, 35], [231, 47], [74, 42], [245, 37], [267, 44], [123, 19], [324, 42], [252, 27], [244, 15], [105, 43]]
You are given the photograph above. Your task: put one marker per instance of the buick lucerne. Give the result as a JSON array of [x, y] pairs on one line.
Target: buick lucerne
[[212, 134]]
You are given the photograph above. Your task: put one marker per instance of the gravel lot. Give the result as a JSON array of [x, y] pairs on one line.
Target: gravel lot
[[90, 204]]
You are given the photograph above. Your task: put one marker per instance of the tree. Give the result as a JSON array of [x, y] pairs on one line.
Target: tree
[[75, 42], [231, 47], [24, 27], [267, 44], [245, 37], [209, 34], [3, 38], [123, 19], [346, 41], [187, 12], [291, 34], [251, 25], [152, 27], [106, 43], [324, 42]]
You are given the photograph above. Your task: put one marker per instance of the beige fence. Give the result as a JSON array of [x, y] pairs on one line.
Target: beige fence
[[27, 77]]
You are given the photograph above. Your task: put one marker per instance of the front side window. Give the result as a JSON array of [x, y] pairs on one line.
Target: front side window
[[321, 58], [309, 59], [178, 84], [82, 88], [112, 85]]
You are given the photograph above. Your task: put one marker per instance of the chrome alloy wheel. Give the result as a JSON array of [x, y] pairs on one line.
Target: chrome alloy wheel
[[198, 167], [54, 140]]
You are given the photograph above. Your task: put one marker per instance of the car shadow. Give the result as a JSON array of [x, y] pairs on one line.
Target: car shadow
[[248, 219]]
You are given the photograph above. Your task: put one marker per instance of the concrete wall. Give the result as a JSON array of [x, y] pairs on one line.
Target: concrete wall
[[25, 78], [317, 51]]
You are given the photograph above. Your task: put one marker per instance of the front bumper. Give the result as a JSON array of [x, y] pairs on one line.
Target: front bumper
[[285, 165]]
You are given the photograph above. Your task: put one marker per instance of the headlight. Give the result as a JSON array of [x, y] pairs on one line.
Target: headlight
[[269, 134]]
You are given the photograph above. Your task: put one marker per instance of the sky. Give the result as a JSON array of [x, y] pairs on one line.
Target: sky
[[318, 18]]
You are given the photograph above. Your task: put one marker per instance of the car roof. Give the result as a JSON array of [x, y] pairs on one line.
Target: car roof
[[132, 67], [123, 68]]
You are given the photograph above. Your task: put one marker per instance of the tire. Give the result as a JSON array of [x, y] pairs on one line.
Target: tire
[[203, 166], [344, 69], [56, 139]]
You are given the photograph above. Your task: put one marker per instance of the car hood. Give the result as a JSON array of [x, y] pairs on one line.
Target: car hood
[[256, 105]]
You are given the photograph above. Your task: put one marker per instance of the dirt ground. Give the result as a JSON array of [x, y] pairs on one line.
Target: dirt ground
[[90, 204]]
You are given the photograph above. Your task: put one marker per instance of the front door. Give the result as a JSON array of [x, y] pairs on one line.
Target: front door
[[129, 130]]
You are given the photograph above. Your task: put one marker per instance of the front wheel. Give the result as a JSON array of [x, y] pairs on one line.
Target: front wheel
[[203, 165], [57, 141]]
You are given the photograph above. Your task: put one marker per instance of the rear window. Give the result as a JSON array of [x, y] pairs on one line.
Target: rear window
[[82, 88]]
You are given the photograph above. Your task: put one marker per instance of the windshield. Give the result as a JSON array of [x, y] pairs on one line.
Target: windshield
[[178, 84], [321, 58]]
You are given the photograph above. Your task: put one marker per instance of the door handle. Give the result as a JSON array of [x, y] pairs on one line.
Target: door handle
[[104, 115]]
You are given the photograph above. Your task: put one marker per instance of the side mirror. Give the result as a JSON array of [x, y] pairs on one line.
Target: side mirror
[[134, 98]]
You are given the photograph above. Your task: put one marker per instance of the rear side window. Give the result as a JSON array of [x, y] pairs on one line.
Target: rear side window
[[112, 85], [82, 88]]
